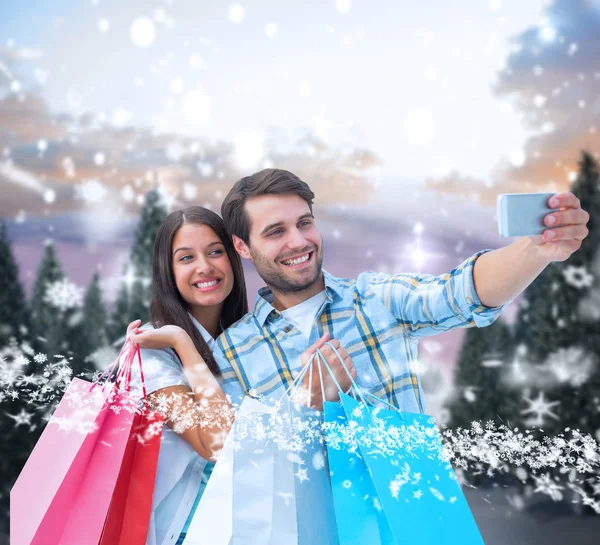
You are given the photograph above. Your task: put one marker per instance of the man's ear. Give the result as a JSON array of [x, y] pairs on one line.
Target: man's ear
[[241, 247]]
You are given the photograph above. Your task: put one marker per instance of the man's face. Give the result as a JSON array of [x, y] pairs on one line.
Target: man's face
[[285, 243]]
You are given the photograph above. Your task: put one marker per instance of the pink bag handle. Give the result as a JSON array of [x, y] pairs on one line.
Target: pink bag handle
[[111, 368], [125, 369]]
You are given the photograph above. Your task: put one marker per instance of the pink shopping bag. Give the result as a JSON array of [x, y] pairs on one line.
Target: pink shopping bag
[[65, 489], [50, 478]]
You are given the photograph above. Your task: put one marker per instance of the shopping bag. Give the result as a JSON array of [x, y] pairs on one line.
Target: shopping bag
[[358, 510], [249, 498], [212, 521], [131, 505], [42, 494], [70, 506], [314, 501], [264, 507], [415, 484]]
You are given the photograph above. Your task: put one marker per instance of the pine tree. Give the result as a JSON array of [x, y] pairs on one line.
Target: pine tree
[[135, 293], [14, 315], [48, 332], [479, 377], [90, 335], [56, 308], [558, 330], [14, 323], [120, 315]]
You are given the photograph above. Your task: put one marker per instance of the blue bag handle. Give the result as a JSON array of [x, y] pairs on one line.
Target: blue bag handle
[[360, 391]]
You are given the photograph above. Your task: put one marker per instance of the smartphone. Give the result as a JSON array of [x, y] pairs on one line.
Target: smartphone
[[522, 214]]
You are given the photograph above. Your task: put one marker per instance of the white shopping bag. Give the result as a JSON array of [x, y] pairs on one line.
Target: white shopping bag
[[249, 498]]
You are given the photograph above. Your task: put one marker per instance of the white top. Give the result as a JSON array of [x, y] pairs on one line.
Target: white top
[[303, 315], [180, 467]]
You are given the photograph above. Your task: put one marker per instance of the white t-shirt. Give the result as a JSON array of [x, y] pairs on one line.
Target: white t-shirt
[[303, 315]]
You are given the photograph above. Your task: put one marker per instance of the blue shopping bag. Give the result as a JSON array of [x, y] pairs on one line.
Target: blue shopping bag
[[414, 483], [359, 516]]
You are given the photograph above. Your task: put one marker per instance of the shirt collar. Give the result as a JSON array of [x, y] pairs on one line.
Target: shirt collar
[[205, 334], [263, 306]]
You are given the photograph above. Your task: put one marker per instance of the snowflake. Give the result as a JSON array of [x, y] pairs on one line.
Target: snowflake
[[40, 358], [589, 308], [63, 295], [546, 485], [21, 360], [578, 277], [570, 365], [539, 407], [302, 474], [469, 394], [22, 418], [90, 191]]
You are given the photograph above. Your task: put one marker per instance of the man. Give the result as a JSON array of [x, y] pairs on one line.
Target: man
[[378, 318]]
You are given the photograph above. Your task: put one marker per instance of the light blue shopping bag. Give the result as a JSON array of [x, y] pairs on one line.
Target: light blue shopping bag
[[314, 502], [414, 483]]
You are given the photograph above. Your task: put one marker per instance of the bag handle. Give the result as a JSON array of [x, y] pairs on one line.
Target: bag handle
[[361, 392], [125, 369]]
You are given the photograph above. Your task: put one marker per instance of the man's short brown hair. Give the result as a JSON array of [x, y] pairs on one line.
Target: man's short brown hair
[[270, 181]]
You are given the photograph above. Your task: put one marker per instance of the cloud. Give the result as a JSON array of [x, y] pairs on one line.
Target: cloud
[[554, 84], [552, 79], [71, 158]]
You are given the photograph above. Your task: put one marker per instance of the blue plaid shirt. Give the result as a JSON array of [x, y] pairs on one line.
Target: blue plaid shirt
[[377, 317]]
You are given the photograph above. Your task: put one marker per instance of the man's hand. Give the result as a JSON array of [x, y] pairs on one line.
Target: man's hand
[[312, 389], [566, 228]]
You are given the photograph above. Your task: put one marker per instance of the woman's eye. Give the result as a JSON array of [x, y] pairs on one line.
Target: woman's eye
[[216, 252], [185, 258]]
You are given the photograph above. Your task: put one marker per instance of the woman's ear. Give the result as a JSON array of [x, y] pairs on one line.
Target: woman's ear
[[241, 247]]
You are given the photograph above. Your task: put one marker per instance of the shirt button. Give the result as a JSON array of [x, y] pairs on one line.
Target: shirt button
[[287, 329]]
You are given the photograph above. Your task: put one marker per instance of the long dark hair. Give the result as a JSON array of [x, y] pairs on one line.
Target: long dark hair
[[168, 306]]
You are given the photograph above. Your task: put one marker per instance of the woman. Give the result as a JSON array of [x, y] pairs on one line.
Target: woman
[[198, 290]]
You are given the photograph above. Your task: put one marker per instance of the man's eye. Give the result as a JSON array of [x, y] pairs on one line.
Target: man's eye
[[276, 232], [305, 223]]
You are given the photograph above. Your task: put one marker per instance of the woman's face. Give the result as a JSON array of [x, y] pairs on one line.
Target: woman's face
[[202, 270]]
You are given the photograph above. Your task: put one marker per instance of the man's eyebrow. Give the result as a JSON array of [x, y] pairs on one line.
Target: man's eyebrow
[[192, 249], [270, 226], [280, 223]]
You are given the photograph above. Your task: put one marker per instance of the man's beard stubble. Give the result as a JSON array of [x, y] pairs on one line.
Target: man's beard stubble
[[278, 281]]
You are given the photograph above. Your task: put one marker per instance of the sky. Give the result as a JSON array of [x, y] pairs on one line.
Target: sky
[[407, 119], [412, 83]]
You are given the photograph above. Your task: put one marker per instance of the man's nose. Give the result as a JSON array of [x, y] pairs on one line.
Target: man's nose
[[296, 239]]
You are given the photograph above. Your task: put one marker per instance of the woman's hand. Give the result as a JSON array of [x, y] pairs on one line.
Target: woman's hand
[[167, 336]]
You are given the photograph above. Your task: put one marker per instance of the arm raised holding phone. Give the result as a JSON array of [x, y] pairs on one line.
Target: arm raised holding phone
[[501, 275]]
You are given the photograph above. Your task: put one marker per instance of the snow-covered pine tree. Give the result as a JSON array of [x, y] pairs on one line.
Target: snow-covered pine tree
[[558, 330], [48, 332], [14, 312], [135, 293], [14, 324], [90, 335], [480, 393]]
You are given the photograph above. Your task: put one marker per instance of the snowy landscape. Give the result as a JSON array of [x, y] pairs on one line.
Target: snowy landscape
[[406, 121]]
